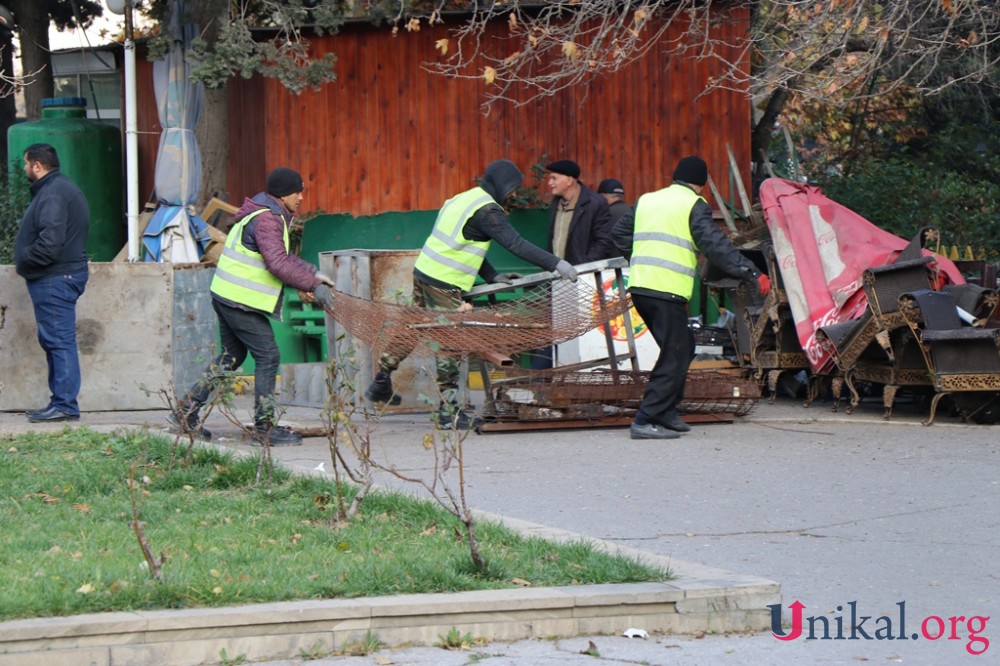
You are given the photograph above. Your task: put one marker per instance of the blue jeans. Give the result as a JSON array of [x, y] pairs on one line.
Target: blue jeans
[[54, 300], [242, 332]]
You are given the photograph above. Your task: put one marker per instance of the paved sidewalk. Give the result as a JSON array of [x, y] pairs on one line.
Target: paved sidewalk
[[837, 508]]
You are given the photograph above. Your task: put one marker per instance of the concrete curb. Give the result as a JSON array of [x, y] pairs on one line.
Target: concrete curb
[[700, 600]]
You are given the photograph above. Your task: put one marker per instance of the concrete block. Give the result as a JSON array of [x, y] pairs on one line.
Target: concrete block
[[142, 324]]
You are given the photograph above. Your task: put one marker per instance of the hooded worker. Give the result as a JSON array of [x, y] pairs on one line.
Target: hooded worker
[[453, 255]]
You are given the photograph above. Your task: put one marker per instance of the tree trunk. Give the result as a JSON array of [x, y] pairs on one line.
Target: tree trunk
[[213, 129], [760, 141], [8, 110], [213, 139], [36, 61]]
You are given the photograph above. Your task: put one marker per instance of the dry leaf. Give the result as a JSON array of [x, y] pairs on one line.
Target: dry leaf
[[570, 50], [520, 582], [383, 661], [82, 507], [442, 46], [86, 588], [512, 22], [511, 59], [490, 75], [639, 16], [296, 538], [413, 25], [215, 573], [429, 531], [217, 590]]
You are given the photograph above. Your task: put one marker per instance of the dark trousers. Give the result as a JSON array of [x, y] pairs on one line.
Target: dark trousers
[[433, 298], [668, 323], [54, 301], [242, 332]]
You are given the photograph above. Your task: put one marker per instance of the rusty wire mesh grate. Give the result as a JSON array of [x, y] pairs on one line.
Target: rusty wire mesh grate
[[539, 394], [541, 316]]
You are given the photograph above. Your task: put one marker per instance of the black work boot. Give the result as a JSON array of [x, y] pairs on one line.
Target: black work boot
[[380, 390], [451, 417], [186, 420], [275, 435]]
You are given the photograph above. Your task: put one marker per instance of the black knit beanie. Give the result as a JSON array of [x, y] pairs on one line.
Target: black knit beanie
[[692, 169], [284, 181]]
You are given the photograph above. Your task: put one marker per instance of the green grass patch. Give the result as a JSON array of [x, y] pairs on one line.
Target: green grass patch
[[67, 545]]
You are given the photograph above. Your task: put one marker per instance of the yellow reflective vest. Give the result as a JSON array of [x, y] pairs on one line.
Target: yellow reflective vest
[[447, 255], [241, 275], [663, 252]]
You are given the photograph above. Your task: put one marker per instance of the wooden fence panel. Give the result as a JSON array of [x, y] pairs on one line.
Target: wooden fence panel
[[390, 136]]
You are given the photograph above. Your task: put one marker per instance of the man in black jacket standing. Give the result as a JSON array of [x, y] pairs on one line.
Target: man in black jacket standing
[[579, 228], [579, 218], [50, 254]]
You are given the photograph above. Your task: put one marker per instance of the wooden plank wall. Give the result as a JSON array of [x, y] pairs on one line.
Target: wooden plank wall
[[390, 136]]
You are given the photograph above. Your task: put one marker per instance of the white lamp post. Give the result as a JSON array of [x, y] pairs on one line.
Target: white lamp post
[[131, 128]]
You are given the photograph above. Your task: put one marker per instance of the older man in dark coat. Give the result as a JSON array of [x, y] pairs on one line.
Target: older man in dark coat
[[579, 220]]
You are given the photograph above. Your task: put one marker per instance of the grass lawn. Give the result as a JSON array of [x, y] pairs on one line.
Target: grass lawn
[[67, 545]]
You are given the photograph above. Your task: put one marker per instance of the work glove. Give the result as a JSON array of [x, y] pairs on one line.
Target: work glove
[[323, 296], [763, 284], [505, 278], [324, 278], [565, 270]]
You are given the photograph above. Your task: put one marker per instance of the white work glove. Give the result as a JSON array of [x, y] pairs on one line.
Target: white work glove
[[323, 296], [324, 278], [565, 270], [500, 278]]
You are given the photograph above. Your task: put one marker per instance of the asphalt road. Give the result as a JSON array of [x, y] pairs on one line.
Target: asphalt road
[[850, 513]]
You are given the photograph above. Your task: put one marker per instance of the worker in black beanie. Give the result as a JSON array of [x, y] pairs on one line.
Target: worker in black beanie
[[662, 237], [247, 289]]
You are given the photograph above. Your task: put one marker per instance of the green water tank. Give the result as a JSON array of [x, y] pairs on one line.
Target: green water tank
[[90, 152]]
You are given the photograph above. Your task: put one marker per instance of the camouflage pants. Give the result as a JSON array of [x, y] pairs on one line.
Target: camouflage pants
[[433, 298]]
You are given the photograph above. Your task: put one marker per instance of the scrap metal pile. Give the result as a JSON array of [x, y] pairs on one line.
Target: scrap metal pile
[[853, 303], [538, 312], [573, 395]]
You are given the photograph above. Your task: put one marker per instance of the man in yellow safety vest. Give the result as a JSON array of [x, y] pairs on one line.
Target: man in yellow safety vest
[[453, 255], [246, 291], [662, 237]]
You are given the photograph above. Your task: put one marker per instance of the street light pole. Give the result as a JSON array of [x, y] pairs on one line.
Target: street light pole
[[131, 140]]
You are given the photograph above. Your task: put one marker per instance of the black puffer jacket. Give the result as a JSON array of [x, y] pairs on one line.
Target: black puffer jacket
[[52, 238]]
